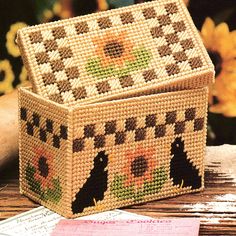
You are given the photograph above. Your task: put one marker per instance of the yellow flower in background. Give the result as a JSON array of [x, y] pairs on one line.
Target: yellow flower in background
[[221, 46], [58, 10], [11, 45], [6, 77], [47, 15], [227, 98], [102, 5]]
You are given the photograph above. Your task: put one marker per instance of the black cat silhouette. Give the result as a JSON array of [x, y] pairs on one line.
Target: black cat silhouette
[[94, 188], [182, 170]]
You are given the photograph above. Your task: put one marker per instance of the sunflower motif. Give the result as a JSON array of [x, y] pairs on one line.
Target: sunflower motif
[[221, 47], [44, 168], [39, 175], [140, 167], [11, 46], [6, 77], [113, 49], [141, 176], [116, 55]]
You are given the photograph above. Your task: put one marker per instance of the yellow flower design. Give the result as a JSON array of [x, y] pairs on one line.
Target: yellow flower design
[[113, 49], [11, 46], [140, 166], [221, 46], [43, 164], [6, 77]]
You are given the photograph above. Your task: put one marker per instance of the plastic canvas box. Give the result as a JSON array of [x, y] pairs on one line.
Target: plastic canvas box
[[117, 111]]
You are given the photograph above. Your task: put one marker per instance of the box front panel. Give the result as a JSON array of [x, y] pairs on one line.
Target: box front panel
[[43, 151], [137, 150]]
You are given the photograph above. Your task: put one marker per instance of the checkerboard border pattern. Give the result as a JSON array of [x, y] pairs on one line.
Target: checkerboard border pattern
[[130, 126], [43, 129]]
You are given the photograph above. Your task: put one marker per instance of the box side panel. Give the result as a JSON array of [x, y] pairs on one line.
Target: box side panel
[[137, 150], [43, 147]]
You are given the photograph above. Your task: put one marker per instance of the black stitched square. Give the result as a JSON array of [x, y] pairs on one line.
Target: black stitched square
[[49, 125], [63, 131], [140, 134], [179, 127], [78, 145], [130, 123], [89, 131], [172, 69], [171, 8], [171, 117], [160, 131], [36, 119], [56, 141], [150, 120], [99, 141], [126, 18], [164, 20], [149, 13], [23, 113], [190, 113], [120, 137], [198, 124], [110, 127], [29, 128], [149, 75], [43, 135], [104, 22], [82, 27]]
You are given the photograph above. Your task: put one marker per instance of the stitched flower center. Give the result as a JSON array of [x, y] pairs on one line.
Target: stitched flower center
[[216, 60], [43, 166], [113, 49], [139, 166]]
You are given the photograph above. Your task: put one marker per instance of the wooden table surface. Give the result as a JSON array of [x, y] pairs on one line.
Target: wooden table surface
[[216, 206]]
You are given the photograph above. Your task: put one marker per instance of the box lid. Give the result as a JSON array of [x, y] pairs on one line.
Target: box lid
[[116, 53]]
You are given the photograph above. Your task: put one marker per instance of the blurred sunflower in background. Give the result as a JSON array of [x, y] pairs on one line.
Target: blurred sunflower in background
[[59, 10], [6, 76], [11, 45], [221, 46]]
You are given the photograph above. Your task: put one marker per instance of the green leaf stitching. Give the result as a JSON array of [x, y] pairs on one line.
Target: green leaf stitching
[[34, 185], [55, 193], [52, 194], [152, 187], [142, 59]]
